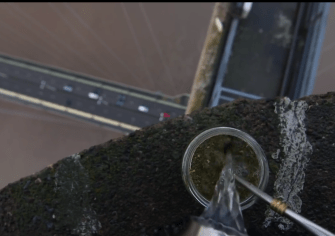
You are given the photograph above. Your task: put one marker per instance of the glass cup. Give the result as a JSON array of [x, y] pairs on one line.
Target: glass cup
[[198, 140]]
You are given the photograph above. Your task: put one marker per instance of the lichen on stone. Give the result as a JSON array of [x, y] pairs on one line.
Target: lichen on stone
[[208, 63], [295, 148], [72, 184], [284, 36]]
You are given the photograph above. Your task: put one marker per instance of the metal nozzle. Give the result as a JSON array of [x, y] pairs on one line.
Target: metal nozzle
[[283, 209]]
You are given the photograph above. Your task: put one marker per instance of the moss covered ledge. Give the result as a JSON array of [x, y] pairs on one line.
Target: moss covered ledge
[[133, 185]]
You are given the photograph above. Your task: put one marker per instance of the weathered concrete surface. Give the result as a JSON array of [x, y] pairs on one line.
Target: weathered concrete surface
[[133, 185], [210, 57]]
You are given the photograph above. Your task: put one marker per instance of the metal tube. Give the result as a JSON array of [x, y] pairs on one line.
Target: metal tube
[[239, 93], [255, 190], [312, 227], [223, 64], [302, 71]]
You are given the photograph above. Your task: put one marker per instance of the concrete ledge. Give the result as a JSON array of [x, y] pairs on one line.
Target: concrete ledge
[[133, 185], [210, 58]]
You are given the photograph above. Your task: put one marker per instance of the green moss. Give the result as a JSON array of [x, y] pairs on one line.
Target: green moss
[[38, 193], [209, 160]]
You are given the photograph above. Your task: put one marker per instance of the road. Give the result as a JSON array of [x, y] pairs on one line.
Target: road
[[47, 85]]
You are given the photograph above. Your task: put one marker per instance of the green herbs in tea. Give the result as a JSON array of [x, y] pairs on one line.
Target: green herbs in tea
[[209, 159]]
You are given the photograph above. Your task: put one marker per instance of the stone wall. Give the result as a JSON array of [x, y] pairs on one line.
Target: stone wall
[[133, 185]]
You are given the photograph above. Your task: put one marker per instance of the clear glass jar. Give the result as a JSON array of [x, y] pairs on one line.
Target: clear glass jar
[[198, 140]]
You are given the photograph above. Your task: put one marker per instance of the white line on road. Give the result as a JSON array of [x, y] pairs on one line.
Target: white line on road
[[3, 75], [66, 109]]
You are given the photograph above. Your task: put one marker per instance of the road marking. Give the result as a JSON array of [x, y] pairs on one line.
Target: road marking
[[8, 93], [53, 105], [43, 83], [126, 126], [108, 121], [96, 84], [66, 109], [50, 87], [60, 75], [29, 99], [3, 75], [142, 96], [80, 113], [38, 69]]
